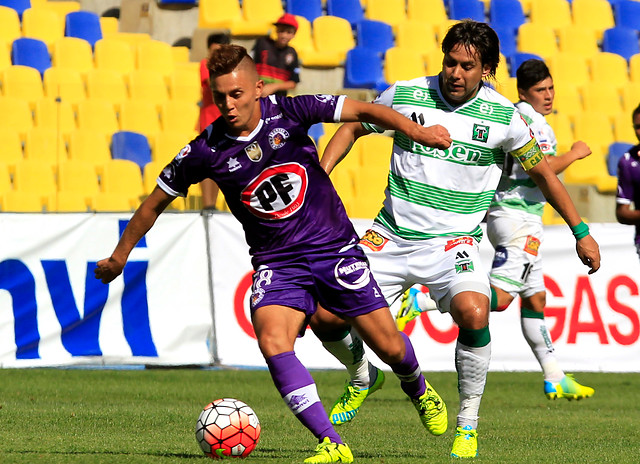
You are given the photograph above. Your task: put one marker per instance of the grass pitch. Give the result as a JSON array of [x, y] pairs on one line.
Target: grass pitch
[[148, 416]]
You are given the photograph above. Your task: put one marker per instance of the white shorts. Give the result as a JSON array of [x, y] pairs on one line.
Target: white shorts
[[447, 266], [517, 263]]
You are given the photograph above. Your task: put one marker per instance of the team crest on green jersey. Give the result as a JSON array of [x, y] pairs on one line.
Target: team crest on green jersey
[[480, 133]]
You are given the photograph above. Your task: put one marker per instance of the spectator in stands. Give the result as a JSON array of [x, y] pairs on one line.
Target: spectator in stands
[[277, 62], [629, 184], [209, 113]]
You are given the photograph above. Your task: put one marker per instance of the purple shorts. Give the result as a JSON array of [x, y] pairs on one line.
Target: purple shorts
[[340, 280]]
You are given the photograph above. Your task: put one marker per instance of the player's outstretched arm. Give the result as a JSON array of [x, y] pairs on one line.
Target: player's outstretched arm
[[579, 150], [340, 144], [556, 194], [143, 219]]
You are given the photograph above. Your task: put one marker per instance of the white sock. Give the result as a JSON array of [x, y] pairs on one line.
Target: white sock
[[536, 333], [350, 352], [472, 364]]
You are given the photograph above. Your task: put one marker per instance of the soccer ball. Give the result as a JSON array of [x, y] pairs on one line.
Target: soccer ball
[[227, 428]]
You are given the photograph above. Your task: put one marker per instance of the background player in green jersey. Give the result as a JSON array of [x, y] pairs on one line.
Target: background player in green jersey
[[428, 229]]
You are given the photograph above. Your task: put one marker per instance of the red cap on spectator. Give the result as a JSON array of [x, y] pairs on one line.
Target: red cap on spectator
[[287, 19]]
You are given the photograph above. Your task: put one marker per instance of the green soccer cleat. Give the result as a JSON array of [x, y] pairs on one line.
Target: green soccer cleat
[[409, 309], [349, 403], [432, 411], [328, 452], [567, 388], [465, 444]]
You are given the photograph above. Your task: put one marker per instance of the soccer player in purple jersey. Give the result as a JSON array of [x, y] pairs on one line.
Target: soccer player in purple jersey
[[304, 248], [629, 184]]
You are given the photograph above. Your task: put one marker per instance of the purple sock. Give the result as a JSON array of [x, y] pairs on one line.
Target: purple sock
[[408, 371], [297, 388]]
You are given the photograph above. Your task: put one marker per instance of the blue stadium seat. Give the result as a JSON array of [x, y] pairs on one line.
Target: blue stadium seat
[[616, 150], [31, 52], [506, 14], [351, 10], [472, 9], [131, 146], [363, 70], [508, 40], [621, 40], [374, 35], [315, 131], [310, 9], [517, 59], [627, 14], [18, 5], [84, 25]]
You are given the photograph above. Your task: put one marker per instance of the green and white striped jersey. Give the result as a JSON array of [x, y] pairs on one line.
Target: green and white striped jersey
[[517, 192], [435, 193]]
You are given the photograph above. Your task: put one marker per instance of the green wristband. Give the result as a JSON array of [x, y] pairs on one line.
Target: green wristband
[[580, 230]]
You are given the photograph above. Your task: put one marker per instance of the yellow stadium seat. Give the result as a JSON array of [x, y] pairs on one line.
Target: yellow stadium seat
[[308, 55], [600, 98], [180, 54], [411, 35], [331, 33], [79, 178], [23, 82], [5, 178], [586, 171], [108, 85], [402, 64], [219, 14], [579, 41], [64, 83], [508, 88], [343, 181], [370, 183], [113, 202], [258, 15], [35, 177], [184, 85], [56, 115], [434, 62], [10, 21], [97, 115], [73, 53], [623, 128], [551, 13], [389, 11], [45, 146], [168, 144], [155, 56], [147, 86], [43, 24], [140, 116], [109, 26], [569, 69], [133, 39], [68, 202], [5, 56], [595, 15], [150, 173], [634, 68], [561, 125], [89, 146], [180, 116], [610, 69], [443, 28], [115, 55], [11, 145], [595, 129], [431, 12], [537, 38], [630, 96], [375, 149], [23, 202], [567, 100], [15, 115], [121, 176], [61, 7]]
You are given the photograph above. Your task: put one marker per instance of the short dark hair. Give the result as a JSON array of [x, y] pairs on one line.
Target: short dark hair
[[226, 58], [530, 72], [476, 35], [218, 38]]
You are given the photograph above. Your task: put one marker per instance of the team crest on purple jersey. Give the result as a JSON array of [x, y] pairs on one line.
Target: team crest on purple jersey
[[352, 273], [277, 192], [253, 151], [278, 137]]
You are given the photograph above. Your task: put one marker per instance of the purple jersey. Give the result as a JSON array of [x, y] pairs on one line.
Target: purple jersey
[[629, 181], [271, 179]]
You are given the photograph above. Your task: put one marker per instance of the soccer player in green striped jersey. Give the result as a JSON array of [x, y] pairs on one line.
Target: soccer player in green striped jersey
[[428, 229]]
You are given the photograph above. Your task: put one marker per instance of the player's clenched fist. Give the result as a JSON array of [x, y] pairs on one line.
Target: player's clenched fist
[[434, 136], [107, 269]]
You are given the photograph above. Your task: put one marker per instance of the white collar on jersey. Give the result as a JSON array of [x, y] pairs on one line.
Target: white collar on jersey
[[246, 138]]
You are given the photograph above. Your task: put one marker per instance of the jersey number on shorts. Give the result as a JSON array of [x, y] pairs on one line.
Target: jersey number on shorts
[[526, 271]]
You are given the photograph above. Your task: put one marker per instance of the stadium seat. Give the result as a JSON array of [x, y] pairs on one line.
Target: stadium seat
[[402, 64], [45, 145], [622, 41], [616, 150], [114, 54], [587, 170], [64, 83], [11, 151], [108, 85], [634, 68], [121, 176], [15, 115], [60, 7], [109, 26], [219, 14], [306, 49], [131, 146], [627, 14], [561, 125], [604, 99], [506, 14], [43, 24], [428, 12], [23, 202], [433, 62], [392, 12], [555, 14], [567, 99], [595, 129], [363, 69], [370, 183], [539, 39], [167, 144], [333, 34], [316, 131], [595, 15], [609, 69], [57, 115], [5, 178], [114, 202], [155, 56], [140, 116], [89, 146], [10, 21], [579, 41], [508, 88], [73, 53], [150, 174], [463, 9], [148, 86], [180, 116], [375, 149], [623, 130], [184, 85], [309, 9], [97, 115], [259, 16], [351, 10], [374, 35], [411, 36], [35, 177], [19, 6], [83, 25], [630, 96], [31, 52], [569, 69], [514, 61], [22, 82], [508, 40], [78, 177], [5, 58]]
